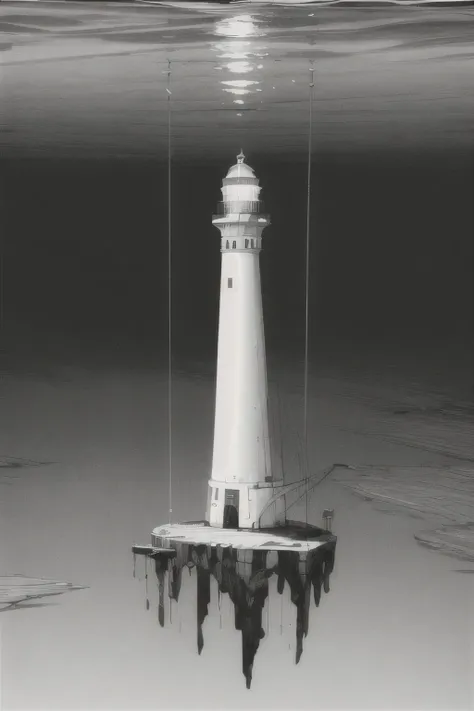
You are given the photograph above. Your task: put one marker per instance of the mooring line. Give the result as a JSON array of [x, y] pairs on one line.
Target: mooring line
[[308, 218]]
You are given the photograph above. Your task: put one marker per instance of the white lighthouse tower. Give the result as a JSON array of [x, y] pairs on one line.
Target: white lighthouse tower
[[242, 482], [246, 537], [247, 505]]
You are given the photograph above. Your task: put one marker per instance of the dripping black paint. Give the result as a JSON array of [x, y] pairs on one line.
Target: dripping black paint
[[244, 574]]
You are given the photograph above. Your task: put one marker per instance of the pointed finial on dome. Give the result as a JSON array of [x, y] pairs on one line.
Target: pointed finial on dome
[[240, 157]]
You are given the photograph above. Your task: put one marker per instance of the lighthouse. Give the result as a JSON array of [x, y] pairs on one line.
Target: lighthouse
[[247, 504], [246, 536], [242, 483]]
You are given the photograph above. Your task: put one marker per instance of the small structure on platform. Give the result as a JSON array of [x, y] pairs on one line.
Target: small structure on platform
[[246, 537]]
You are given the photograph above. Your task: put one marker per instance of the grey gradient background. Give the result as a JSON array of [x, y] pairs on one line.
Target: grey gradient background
[[84, 249]]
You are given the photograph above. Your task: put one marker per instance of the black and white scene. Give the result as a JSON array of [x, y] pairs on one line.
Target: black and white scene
[[236, 393]]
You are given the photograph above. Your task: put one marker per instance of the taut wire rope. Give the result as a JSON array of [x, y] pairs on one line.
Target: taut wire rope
[[170, 363], [306, 345]]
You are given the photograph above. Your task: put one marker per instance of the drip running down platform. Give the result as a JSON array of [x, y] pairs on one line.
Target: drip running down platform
[[242, 562]]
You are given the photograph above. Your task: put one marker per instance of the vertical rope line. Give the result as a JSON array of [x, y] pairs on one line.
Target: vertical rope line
[[306, 345], [2, 256], [170, 372], [280, 428]]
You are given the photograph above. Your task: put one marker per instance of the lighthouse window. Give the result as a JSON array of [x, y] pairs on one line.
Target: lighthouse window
[[234, 244], [227, 244], [251, 243], [229, 283], [246, 243]]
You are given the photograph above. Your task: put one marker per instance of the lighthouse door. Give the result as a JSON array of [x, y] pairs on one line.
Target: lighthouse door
[[231, 508]]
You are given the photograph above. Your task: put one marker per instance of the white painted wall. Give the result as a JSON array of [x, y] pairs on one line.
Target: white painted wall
[[241, 445], [241, 453], [252, 499]]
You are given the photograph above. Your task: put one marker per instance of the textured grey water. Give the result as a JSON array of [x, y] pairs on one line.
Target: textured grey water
[[395, 612], [87, 81]]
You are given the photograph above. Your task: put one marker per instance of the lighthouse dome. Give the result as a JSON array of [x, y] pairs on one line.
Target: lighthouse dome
[[240, 169]]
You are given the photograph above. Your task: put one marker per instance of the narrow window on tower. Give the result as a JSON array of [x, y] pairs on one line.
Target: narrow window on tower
[[229, 283], [234, 244], [227, 244], [252, 244], [246, 243]]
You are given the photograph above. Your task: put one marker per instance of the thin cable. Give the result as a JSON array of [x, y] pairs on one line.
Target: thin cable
[[2, 261], [170, 372], [280, 428], [306, 348]]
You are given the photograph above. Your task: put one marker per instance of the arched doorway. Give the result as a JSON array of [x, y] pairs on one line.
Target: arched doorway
[[231, 508]]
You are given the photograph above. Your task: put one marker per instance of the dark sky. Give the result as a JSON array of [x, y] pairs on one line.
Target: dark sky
[[85, 256]]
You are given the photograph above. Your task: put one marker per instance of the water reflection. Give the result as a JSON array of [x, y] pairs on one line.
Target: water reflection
[[243, 574], [239, 26], [245, 55]]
